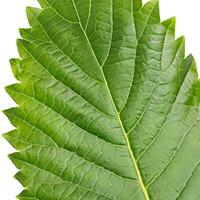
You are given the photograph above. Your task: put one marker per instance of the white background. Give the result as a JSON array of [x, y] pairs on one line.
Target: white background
[[12, 16]]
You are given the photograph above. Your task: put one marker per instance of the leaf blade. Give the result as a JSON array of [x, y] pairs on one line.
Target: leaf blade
[[77, 93]]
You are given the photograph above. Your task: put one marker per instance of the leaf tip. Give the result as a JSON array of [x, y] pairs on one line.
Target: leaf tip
[[16, 67], [181, 41], [9, 90], [170, 24], [19, 41], [5, 136], [12, 156], [7, 112], [156, 3], [13, 90], [190, 63], [153, 9], [190, 58], [9, 134], [32, 13]]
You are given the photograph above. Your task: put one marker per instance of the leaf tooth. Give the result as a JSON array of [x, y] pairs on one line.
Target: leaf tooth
[[153, 8], [25, 195], [18, 176], [36, 32], [170, 24], [33, 34], [11, 90], [14, 157], [181, 39], [20, 43], [25, 32], [21, 176], [32, 13], [180, 44], [16, 67], [148, 15], [9, 135], [190, 60], [22, 46], [10, 114], [190, 64]]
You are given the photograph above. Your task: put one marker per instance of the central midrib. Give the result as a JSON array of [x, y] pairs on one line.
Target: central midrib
[[140, 180]]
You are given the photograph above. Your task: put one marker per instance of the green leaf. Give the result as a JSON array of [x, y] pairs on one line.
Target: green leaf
[[108, 105]]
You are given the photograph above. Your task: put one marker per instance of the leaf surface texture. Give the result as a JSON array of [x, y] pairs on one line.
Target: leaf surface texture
[[108, 105]]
